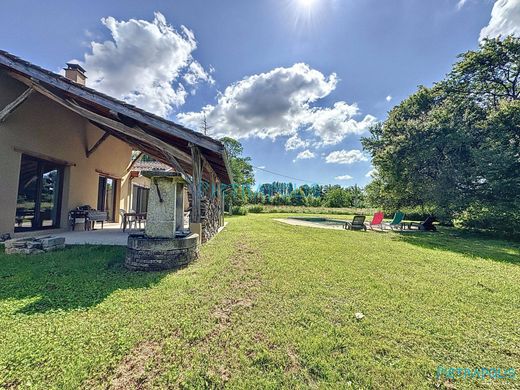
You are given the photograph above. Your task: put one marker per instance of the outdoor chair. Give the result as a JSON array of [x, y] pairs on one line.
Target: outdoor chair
[[377, 220], [358, 223], [129, 220], [397, 222], [426, 225]]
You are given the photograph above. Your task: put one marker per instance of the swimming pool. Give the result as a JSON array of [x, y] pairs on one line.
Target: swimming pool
[[317, 222]]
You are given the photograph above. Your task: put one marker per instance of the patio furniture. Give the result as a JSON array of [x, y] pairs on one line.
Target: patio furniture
[[135, 217], [94, 216], [397, 222], [77, 214], [129, 219], [358, 223], [377, 220], [426, 225]]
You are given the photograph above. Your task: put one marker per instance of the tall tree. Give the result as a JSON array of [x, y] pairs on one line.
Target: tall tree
[[453, 148], [241, 169]]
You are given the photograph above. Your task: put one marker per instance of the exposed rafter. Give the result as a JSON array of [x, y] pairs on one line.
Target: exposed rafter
[[11, 107], [97, 144], [132, 163]]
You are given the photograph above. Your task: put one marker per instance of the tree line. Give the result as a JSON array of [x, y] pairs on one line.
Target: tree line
[[287, 194]]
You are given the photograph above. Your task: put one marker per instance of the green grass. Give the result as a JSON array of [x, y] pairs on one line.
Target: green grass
[[267, 305]]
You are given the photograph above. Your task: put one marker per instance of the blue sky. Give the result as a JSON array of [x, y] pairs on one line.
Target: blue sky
[[317, 72]]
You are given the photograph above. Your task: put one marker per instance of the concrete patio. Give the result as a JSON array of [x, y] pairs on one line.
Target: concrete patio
[[111, 234]]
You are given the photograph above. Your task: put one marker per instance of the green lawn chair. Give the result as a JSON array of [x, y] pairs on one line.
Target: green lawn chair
[[396, 223]]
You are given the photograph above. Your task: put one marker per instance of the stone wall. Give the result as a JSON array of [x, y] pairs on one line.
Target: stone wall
[[210, 217], [156, 254]]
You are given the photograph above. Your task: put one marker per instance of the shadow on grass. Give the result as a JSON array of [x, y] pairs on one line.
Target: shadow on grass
[[75, 278], [465, 242]]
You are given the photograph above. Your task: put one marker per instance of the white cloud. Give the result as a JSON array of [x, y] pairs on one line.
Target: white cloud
[[332, 125], [343, 177], [345, 157], [279, 103], [371, 173], [305, 155], [295, 142], [461, 4], [261, 167], [505, 20], [388, 98], [196, 73], [143, 63]]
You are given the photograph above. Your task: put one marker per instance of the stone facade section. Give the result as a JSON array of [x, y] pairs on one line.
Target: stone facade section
[[33, 246], [157, 254]]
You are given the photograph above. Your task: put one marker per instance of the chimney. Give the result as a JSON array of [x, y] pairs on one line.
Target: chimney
[[75, 73]]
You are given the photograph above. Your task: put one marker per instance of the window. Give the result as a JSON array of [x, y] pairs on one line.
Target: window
[[140, 199], [39, 194]]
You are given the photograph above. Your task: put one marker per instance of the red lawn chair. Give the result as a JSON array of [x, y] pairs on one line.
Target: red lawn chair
[[377, 220]]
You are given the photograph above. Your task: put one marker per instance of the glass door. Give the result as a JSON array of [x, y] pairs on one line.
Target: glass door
[[107, 196], [39, 194]]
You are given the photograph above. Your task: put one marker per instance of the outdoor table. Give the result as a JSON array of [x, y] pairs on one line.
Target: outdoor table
[[138, 217]]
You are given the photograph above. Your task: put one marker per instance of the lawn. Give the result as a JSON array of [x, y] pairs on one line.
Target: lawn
[[267, 305]]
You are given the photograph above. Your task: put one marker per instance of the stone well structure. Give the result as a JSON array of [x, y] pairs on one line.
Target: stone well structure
[[165, 243]]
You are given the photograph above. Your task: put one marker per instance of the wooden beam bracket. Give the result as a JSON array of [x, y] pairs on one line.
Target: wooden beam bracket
[[11, 107], [97, 144]]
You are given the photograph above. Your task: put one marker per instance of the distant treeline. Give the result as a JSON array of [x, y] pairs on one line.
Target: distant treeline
[[287, 194]]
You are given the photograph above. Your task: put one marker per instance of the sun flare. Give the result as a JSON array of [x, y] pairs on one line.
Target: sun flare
[[306, 3]]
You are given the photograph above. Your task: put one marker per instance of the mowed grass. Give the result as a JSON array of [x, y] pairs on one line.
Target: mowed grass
[[267, 305]]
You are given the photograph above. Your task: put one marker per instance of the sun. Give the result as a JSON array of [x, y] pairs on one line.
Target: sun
[[306, 3], [305, 12]]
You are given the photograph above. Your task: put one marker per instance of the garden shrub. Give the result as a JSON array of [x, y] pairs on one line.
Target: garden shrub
[[239, 210], [256, 209]]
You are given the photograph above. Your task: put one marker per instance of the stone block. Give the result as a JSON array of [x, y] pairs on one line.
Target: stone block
[[52, 241], [34, 245], [31, 246]]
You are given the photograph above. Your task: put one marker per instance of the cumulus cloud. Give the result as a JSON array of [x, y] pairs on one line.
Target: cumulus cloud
[[144, 63], [505, 20], [343, 177], [345, 157], [388, 98], [332, 125], [295, 142], [280, 103], [305, 155]]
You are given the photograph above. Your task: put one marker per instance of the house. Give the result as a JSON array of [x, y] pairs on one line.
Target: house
[[64, 145]]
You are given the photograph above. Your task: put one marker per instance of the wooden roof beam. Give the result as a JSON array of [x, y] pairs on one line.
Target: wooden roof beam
[[11, 107], [132, 163], [103, 138]]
